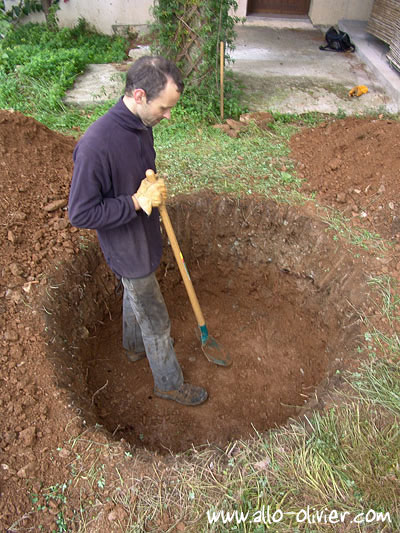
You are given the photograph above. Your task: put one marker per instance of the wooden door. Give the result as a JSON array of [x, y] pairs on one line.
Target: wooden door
[[279, 7]]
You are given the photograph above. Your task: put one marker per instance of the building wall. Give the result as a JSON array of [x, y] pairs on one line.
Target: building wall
[[104, 14], [242, 8], [328, 12]]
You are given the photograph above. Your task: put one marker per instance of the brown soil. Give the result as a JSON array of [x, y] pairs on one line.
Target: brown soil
[[271, 375], [353, 165], [278, 292]]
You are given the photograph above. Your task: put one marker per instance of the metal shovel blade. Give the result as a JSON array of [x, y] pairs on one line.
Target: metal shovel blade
[[214, 353]]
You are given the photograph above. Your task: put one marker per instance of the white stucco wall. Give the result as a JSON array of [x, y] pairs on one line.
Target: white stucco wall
[[102, 14], [326, 12], [242, 8], [34, 17]]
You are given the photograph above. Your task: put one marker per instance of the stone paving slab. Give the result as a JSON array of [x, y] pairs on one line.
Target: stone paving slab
[[103, 82], [98, 84]]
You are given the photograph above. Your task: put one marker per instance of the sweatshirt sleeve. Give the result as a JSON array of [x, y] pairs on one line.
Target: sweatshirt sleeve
[[92, 203]]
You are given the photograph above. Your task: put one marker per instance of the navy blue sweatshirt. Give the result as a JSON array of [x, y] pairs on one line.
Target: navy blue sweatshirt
[[110, 161]]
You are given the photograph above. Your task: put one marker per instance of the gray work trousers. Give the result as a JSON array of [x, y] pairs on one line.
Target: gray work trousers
[[146, 327]]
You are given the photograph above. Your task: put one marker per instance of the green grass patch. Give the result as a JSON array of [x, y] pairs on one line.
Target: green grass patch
[[197, 156], [379, 382], [344, 229], [202, 103], [389, 303], [37, 66]]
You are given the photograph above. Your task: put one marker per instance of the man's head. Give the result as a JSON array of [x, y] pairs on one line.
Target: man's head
[[153, 87]]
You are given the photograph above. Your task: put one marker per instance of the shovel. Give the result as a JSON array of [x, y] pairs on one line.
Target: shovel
[[211, 349]]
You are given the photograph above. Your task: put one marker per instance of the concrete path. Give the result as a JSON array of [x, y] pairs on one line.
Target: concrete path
[[283, 70]]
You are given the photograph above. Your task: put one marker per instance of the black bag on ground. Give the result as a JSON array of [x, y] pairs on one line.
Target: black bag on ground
[[338, 41]]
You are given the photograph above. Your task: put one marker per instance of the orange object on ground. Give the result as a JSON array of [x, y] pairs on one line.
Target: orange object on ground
[[358, 90]]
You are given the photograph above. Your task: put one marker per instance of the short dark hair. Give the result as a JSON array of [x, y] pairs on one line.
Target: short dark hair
[[151, 73]]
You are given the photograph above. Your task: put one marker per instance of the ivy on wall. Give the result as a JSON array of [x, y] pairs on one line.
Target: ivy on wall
[[23, 8], [189, 33]]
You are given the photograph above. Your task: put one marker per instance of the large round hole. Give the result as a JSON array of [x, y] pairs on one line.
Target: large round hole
[[277, 293]]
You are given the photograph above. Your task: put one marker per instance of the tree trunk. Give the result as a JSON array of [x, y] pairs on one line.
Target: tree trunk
[[45, 6], [51, 17]]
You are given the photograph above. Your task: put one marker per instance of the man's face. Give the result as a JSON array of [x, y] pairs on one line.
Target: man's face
[[151, 113]]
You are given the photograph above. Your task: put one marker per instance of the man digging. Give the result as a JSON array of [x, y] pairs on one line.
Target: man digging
[[108, 194]]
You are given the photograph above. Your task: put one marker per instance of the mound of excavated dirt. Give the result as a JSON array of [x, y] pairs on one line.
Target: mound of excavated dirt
[[271, 282], [35, 172], [353, 165]]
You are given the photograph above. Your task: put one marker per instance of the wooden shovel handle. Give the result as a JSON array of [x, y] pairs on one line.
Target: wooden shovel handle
[[152, 177]]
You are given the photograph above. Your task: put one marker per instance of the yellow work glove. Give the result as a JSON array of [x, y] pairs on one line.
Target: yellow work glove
[[151, 195], [358, 90]]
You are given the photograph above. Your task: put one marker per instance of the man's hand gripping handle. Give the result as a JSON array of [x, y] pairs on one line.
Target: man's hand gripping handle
[[151, 193]]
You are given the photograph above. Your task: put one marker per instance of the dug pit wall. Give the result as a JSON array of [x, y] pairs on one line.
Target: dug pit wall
[[272, 242]]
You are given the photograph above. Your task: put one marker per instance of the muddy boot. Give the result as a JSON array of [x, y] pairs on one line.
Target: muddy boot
[[186, 394]]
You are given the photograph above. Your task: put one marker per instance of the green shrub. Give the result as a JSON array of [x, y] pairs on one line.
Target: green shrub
[[38, 65], [198, 27]]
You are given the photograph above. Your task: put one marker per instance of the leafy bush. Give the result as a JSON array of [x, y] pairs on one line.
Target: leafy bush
[[38, 65], [203, 102], [25, 44], [189, 33]]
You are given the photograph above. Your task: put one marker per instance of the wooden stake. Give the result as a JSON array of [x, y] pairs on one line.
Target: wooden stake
[[221, 76]]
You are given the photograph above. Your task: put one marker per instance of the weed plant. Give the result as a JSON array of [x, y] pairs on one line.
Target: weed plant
[[38, 65], [197, 28], [202, 103]]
